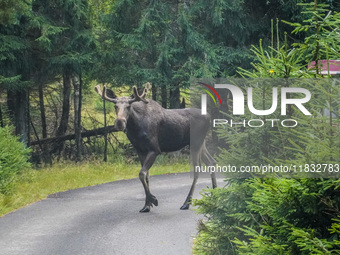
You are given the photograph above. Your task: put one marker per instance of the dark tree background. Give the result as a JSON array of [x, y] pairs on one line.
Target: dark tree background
[[71, 43]]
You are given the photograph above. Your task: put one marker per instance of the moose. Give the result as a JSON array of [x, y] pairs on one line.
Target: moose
[[153, 129]]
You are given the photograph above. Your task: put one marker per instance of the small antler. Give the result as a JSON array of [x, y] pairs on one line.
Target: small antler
[[138, 97], [103, 94]]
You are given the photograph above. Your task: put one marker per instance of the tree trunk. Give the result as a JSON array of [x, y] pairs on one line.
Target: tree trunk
[[21, 116], [65, 111], [42, 111], [105, 134], [44, 149], [175, 101], [18, 102], [77, 115], [85, 134], [154, 92], [164, 96], [1, 118], [183, 104], [66, 105], [11, 101], [28, 119]]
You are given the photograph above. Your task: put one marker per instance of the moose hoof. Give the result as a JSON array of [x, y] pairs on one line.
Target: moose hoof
[[185, 207], [145, 209], [153, 200]]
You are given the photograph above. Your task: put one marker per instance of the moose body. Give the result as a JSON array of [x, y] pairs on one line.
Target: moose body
[[152, 130], [167, 130]]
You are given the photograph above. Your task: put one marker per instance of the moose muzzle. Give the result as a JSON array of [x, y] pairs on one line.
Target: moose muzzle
[[120, 124]]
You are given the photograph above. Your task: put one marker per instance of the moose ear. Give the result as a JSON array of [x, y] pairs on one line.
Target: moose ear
[[110, 94]]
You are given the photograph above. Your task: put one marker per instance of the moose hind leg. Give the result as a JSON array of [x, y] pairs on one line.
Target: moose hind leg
[[209, 161], [144, 178], [187, 201]]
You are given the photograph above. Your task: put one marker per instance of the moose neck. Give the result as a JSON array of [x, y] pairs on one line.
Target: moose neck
[[144, 115], [138, 112]]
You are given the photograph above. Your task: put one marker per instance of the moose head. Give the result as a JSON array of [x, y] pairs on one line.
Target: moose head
[[122, 104]]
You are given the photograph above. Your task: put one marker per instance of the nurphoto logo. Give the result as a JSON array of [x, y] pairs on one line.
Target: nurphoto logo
[[288, 96]]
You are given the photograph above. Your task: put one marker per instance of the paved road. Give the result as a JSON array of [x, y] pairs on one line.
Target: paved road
[[104, 219]]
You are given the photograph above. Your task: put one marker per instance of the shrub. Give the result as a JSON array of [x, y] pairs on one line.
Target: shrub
[[271, 216], [13, 159]]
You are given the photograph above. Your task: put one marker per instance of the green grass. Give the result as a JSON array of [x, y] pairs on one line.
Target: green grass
[[34, 185]]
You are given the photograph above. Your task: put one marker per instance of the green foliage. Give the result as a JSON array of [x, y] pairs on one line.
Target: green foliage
[[167, 42], [270, 216], [157, 42], [14, 58], [236, 25], [322, 28], [65, 36], [13, 159], [275, 63], [226, 211], [11, 10]]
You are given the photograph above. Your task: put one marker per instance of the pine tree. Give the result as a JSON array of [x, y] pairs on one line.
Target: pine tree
[[157, 41], [68, 46], [15, 63]]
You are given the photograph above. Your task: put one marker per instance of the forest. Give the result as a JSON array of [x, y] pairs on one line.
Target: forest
[[53, 53]]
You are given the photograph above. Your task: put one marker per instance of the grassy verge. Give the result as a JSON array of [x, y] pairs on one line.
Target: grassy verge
[[34, 185]]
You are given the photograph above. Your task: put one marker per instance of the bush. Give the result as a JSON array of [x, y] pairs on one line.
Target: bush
[[271, 216], [13, 159]]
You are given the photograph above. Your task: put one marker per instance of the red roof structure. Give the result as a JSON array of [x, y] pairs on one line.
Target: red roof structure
[[334, 66]]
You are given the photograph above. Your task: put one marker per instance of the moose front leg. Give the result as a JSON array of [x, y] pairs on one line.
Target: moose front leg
[[147, 162]]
